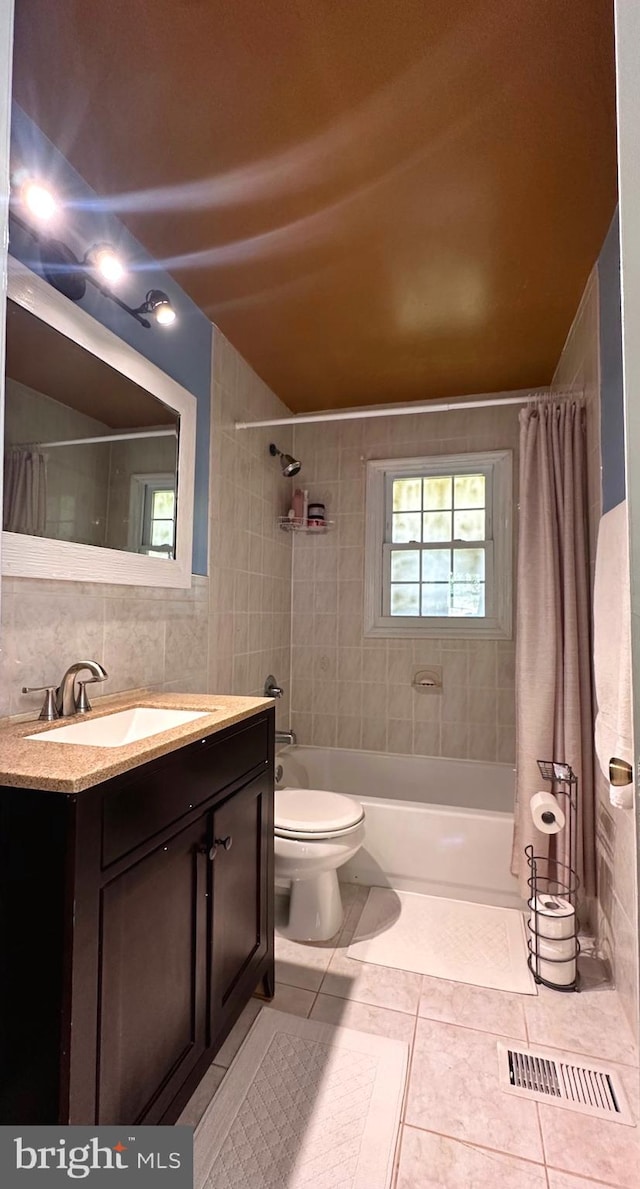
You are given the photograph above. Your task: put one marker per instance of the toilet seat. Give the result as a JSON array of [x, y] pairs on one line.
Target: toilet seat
[[310, 814]]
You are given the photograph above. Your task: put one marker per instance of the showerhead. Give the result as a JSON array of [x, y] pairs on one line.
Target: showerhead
[[290, 465]]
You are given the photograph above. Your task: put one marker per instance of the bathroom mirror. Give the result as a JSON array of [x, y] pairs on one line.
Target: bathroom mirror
[[98, 449]]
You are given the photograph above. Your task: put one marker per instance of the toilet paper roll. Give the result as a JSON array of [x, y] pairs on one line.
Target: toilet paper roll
[[552, 917], [560, 973], [555, 949], [546, 813]]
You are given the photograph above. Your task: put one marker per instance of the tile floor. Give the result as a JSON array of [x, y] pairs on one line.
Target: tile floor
[[460, 1131]]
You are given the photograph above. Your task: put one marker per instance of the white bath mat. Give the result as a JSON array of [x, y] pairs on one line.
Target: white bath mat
[[452, 939], [305, 1105]]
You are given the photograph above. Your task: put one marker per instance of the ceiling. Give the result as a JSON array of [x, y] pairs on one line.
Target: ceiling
[[375, 200], [48, 362]]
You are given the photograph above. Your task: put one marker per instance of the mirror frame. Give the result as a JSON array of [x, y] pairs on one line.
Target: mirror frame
[[45, 557]]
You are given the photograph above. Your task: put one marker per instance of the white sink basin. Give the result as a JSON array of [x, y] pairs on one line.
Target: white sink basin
[[116, 730]]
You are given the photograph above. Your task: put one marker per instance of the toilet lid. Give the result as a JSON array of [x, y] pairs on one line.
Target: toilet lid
[[315, 811]]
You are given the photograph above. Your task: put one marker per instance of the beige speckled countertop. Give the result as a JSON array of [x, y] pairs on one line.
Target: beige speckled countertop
[[70, 768]]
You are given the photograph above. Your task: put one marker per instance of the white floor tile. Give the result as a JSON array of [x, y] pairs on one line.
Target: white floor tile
[[364, 1018], [294, 1000], [563, 1180], [592, 1147], [473, 1007], [299, 964], [379, 985], [591, 1022], [454, 1090], [430, 1161]]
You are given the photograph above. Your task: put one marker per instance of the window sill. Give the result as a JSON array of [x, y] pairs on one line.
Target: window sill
[[463, 629]]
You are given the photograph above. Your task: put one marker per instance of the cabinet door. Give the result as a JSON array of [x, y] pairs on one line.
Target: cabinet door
[[242, 885], [152, 979]]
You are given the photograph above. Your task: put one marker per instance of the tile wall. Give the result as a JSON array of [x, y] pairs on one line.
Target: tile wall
[[144, 636], [616, 909], [249, 555], [348, 691]]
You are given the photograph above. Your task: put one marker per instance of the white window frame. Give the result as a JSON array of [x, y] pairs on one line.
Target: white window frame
[[142, 485], [496, 624]]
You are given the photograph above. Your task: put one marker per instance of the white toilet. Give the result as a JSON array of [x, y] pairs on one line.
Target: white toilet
[[315, 833]]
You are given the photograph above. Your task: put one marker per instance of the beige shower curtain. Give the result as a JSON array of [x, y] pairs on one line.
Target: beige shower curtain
[[553, 647], [25, 492]]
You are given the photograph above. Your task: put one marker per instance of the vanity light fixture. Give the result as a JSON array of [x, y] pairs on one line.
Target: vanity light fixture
[[105, 261], [38, 200], [158, 305], [33, 204]]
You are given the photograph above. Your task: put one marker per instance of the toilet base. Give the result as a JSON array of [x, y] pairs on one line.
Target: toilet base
[[315, 908]]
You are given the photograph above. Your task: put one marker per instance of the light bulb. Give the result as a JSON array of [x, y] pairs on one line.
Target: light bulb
[[38, 200], [105, 261], [164, 314], [158, 305]]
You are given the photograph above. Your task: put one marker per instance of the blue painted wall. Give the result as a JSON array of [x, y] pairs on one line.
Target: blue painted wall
[[612, 399], [183, 350]]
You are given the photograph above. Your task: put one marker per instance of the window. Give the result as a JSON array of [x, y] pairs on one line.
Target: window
[[438, 546], [152, 515]]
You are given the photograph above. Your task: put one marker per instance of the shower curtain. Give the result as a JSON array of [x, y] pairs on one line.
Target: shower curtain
[[553, 646], [25, 492]]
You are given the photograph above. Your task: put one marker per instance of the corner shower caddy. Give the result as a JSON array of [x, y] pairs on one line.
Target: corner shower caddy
[[294, 525], [551, 878]]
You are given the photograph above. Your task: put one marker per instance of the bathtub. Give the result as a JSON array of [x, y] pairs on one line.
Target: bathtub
[[437, 826]]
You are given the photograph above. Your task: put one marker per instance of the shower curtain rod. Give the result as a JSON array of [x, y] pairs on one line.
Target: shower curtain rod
[[403, 410], [114, 437]]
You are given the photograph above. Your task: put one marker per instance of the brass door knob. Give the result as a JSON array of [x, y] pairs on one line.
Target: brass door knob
[[620, 772]]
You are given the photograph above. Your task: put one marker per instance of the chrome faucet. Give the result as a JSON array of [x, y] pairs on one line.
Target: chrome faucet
[[66, 701]]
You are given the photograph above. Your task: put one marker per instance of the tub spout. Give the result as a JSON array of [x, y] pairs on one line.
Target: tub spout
[[286, 737]]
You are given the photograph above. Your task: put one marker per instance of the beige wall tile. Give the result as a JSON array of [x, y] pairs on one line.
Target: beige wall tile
[[579, 370], [454, 741], [351, 664], [426, 739], [349, 700], [506, 707], [482, 741], [483, 664], [400, 736], [483, 707], [472, 670], [324, 730], [349, 733], [506, 745], [374, 734]]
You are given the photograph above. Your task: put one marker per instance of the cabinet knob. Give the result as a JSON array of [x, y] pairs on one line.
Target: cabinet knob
[[211, 851]]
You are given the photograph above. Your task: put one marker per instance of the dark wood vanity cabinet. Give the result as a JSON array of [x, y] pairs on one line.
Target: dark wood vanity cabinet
[[152, 977], [136, 921]]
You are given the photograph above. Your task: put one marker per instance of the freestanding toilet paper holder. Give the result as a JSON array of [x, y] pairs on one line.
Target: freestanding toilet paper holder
[[553, 922]]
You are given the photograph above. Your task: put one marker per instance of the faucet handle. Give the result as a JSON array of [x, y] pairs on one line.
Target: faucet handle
[[49, 710], [83, 705]]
